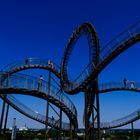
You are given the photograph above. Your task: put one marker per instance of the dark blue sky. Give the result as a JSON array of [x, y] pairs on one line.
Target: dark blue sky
[[42, 28]]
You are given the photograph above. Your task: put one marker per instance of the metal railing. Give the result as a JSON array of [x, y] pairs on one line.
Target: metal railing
[[120, 122], [106, 51], [33, 114], [119, 40], [31, 83], [130, 85], [31, 62]]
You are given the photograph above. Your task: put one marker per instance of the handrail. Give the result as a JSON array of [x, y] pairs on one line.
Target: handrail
[[31, 83], [120, 85], [120, 39], [29, 62], [120, 122], [114, 43], [33, 114], [130, 85], [105, 52]]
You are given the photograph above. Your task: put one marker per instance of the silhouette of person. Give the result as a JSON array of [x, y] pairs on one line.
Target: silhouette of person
[[132, 84], [40, 82], [51, 64], [125, 82], [26, 61]]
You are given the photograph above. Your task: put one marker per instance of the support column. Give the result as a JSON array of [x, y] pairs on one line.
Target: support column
[[6, 117], [47, 106], [132, 127], [86, 115], [98, 115], [70, 130], [92, 129], [98, 111], [2, 114], [57, 137], [13, 136], [60, 123]]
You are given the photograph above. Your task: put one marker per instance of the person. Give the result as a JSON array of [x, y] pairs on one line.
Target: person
[[40, 82], [26, 61], [51, 64], [125, 82], [132, 84]]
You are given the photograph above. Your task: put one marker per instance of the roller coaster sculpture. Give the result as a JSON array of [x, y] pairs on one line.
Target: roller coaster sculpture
[[24, 84], [87, 81]]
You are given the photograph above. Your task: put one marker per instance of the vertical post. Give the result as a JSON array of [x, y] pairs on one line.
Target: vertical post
[[7, 80], [2, 113], [96, 89], [13, 136], [60, 123], [86, 114], [70, 130], [6, 117], [47, 107], [132, 127], [92, 131], [98, 115], [61, 96], [57, 137]]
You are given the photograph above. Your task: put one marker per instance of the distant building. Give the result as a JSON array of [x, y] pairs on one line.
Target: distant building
[[24, 128]]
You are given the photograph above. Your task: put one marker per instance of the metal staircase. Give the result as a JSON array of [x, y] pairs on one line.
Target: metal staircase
[[24, 84]]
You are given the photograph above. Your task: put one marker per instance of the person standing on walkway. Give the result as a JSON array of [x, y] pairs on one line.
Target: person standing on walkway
[[40, 80], [125, 82], [132, 84]]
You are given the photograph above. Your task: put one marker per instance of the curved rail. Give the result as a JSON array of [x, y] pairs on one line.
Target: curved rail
[[107, 54], [120, 122], [102, 88], [29, 85], [116, 46], [90, 73], [32, 63], [88, 30], [114, 86], [120, 43], [25, 110]]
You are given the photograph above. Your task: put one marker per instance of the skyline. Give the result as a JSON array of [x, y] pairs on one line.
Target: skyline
[[42, 29]]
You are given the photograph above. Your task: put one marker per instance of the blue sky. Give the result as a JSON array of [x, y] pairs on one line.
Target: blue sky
[[41, 29]]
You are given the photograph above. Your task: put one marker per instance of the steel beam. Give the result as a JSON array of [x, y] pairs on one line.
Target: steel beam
[[2, 114], [6, 117]]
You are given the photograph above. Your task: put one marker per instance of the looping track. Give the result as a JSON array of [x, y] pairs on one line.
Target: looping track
[[101, 59], [107, 54], [78, 84], [98, 61]]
